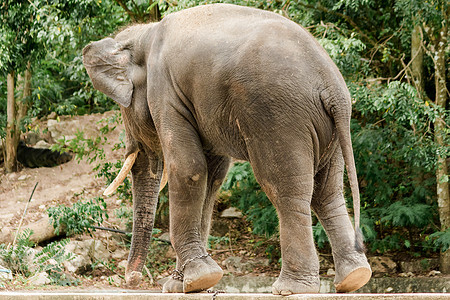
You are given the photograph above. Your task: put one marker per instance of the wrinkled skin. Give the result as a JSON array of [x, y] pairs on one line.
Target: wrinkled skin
[[220, 81]]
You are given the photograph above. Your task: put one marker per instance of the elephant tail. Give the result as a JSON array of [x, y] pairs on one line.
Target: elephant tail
[[339, 107]]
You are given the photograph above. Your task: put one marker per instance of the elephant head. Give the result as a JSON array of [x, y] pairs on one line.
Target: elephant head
[[115, 70]]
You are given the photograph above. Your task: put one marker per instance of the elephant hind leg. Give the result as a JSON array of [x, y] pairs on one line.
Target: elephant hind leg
[[287, 179], [352, 268]]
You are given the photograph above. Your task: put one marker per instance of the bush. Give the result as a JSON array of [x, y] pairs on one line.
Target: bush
[[78, 218]]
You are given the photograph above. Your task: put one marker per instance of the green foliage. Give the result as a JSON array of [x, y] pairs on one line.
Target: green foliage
[[440, 239], [15, 257], [395, 157], [80, 217], [320, 236], [50, 259], [214, 241], [246, 195]]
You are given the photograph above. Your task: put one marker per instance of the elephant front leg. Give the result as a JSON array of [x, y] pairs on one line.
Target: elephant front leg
[[145, 199], [217, 170], [188, 173]]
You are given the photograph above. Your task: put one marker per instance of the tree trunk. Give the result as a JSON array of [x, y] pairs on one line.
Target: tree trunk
[[440, 131], [11, 140], [154, 14], [22, 106], [417, 59]]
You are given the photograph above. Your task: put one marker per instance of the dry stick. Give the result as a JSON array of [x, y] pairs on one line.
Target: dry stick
[[24, 212], [111, 229], [152, 281]]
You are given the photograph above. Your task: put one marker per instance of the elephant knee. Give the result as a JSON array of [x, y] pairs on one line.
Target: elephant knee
[[190, 173]]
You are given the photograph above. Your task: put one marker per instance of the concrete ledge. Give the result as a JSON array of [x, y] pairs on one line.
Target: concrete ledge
[[119, 295]]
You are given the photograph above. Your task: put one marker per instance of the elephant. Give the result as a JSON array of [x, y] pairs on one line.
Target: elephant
[[220, 81]]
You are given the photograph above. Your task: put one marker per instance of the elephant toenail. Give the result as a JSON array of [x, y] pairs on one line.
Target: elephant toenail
[[285, 293]]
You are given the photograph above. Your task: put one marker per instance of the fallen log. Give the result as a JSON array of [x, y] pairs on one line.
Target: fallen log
[[42, 231]]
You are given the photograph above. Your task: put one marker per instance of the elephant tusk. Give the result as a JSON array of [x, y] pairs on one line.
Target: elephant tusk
[[163, 180], [127, 165]]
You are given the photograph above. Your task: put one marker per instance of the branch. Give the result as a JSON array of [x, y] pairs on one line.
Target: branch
[[126, 9], [341, 15], [349, 20]]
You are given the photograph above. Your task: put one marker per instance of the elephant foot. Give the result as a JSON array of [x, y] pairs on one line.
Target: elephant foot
[[201, 274], [173, 286], [352, 273], [133, 279], [355, 280], [286, 287]]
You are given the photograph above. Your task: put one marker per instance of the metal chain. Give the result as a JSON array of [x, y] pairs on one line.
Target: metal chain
[[215, 293], [178, 274]]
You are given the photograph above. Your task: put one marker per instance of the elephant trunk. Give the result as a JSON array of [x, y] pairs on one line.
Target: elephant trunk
[[146, 173]]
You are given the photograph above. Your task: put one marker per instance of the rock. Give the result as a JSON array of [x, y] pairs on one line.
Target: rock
[[234, 264], [85, 253], [434, 273], [12, 176], [419, 265], [39, 279], [23, 177], [79, 264], [382, 264], [165, 237], [30, 259], [98, 251], [325, 264], [42, 144], [52, 116], [219, 228], [170, 253], [5, 274], [69, 129], [409, 274], [115, 280], [331, 272], [32, 138], [119, 254], [123, 264], [231, 212]]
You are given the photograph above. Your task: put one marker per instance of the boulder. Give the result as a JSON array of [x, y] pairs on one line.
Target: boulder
[[85, 254], [42, 145], [382, 264], [231, 212], [5, 274], [39, 279], [235, 264], [419, 265]]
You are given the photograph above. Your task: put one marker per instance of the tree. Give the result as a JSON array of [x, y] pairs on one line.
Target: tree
[[20, 47], [47, 38], [438, 33], [141, 11]]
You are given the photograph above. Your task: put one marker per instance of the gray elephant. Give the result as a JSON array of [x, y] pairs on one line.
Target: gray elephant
[[219, 81]]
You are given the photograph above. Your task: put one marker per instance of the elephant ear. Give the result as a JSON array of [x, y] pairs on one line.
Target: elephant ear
[[107, 63]]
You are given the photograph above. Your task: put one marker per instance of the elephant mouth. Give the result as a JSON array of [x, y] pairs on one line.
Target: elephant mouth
[[126, 168]]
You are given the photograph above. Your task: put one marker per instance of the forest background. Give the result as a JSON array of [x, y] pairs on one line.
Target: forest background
[[394, 56]]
